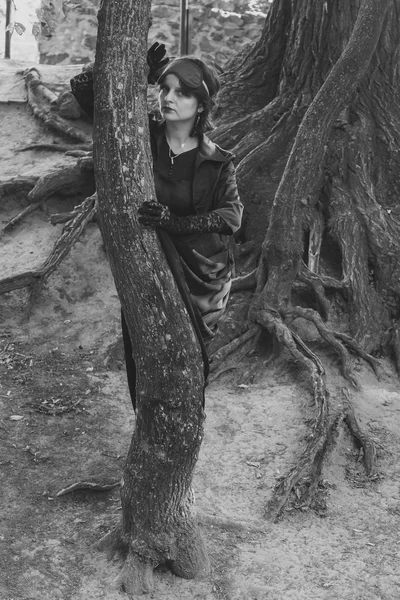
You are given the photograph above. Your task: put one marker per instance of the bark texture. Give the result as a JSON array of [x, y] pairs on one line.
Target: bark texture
[[158, 524], [317, 155]]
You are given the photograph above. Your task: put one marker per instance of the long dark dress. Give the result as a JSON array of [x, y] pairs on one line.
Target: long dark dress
[[205, 258]]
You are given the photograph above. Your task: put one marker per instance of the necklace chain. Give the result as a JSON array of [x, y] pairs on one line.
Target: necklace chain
[[172, 154]]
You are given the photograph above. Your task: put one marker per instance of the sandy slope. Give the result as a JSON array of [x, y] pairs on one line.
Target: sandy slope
[[77, 421]]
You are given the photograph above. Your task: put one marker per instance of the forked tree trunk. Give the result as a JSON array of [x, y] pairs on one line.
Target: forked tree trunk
[[158, 524]]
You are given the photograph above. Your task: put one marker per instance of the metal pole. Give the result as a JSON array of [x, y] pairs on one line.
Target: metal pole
[[7, 51], [184, 28]]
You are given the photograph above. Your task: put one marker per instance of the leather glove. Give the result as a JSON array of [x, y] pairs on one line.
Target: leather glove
[[82, 89], [153, 214], [156, 60]]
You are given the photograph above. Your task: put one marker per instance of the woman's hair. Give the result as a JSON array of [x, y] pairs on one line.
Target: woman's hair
[[207, 100]]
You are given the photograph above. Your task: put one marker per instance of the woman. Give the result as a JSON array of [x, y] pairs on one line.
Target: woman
[[197, 198]]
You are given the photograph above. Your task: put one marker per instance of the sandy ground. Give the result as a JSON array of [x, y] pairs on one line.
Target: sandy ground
[[66, 417]]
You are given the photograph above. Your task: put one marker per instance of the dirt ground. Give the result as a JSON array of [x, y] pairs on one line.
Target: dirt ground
[[66, 417]]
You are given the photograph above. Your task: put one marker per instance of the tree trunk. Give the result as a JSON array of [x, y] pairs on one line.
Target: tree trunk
[[158, 524], [316, 162]]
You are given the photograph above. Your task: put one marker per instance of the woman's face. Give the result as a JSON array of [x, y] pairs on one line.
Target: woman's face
[[175, 105]]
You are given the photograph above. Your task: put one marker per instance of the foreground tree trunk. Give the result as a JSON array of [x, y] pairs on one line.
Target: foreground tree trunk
[[158, 524]]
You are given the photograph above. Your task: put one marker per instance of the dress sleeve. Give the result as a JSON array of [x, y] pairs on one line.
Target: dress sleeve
[[227, 203]]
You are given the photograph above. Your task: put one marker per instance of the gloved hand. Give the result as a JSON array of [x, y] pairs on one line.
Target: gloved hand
[[153, 214], [82, 89], [156, 61]]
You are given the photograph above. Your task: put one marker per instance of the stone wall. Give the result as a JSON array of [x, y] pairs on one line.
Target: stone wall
[[217, 30]]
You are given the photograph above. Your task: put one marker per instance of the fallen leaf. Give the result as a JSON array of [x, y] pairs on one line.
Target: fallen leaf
[[16, 417]]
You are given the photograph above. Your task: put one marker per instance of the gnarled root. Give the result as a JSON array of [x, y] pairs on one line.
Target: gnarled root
[[137, 576], [70, 150], [245, 282], [333, 339], [311, 458], [185, 555], [16, 185], [304, 477], [236, 349], [362, 439], [113, 543], [66, 181], [41, 100], [191, 558], [15, 220], [396, 345], [61, 248]]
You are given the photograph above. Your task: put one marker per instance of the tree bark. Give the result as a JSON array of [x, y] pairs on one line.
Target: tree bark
[[158, 524], [284, 242], [315, 163]]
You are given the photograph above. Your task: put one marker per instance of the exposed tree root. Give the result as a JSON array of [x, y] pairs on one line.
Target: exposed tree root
[[17, 185], [66, 181], [15, 220], [247, 339], [57, 218], [303, 479], [184, 553], [328, 336], [61, 248], [137, 576], [41, 100], [396, 345], [315, 279], [215, 375], [362, 440], [245, 282], [373, 362], [67, 149], [311, 458], [90, 486], [112, 543]]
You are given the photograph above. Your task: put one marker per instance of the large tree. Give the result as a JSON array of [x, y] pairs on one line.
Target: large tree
[[158, 523], [312, 114]]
